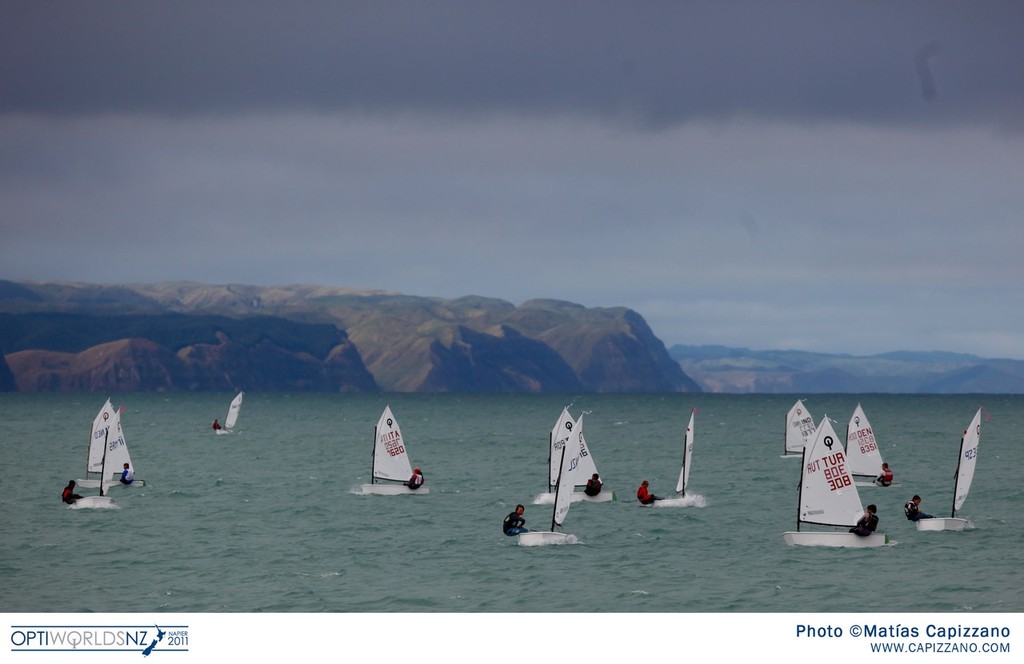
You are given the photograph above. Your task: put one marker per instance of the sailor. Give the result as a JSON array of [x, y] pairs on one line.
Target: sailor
[[867, 523], [885, 479], [644, 495], [593, 486], [68, 495], [127, 475], [416, 481], [913, 509], [514, 522]]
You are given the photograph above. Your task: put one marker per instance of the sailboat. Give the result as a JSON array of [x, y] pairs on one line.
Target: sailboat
[[962, 483], [828, 496], [232, 418], [863, 458], [107, 442], [799, 430], [101, 501], [391, 467], [684, 471], [561, 433], [568, 465]]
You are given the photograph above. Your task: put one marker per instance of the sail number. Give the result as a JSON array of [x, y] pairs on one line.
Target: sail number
[[833, 467], [971, 453], [393, 443], [865, 440]]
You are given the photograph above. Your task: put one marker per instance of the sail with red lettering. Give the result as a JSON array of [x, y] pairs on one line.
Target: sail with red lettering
[[390, 458], [828, 496], [391, 468], [862, 452]]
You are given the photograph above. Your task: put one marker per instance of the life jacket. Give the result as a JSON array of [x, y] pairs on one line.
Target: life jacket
[[65, 495], [513, 520], [872, 522], [416, 481], [593, 487], [910, 509], [887, 477]]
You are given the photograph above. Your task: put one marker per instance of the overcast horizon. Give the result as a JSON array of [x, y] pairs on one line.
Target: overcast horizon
[[818, 176]]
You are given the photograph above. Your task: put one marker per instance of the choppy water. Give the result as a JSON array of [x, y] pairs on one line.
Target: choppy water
[[266, 520]]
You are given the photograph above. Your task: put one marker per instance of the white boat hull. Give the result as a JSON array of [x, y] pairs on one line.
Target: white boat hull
[[94, 503], [541, 538], [390, 490], [834, 539], [578, 496], [940, 523], [95, 484]]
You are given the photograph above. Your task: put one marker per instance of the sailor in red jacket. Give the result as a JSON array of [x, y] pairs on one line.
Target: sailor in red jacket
[[885, 479], [645, 496], [68, 495]]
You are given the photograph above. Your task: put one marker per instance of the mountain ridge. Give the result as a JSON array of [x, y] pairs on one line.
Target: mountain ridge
[[307, 337], [741, 370]]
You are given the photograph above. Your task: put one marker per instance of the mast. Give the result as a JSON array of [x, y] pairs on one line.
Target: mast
[[558, 488], [373, 456], [800, 488], [956, 473], [103, 464], [551, 442]]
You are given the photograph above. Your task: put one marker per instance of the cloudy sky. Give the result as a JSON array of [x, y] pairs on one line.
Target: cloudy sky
[[827, 176]]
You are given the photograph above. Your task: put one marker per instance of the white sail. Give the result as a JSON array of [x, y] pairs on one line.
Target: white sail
[[390, 457], [968, 460], [568, 465], [102, 500], [98, 438], [236, 405], [560, 433], [563, 491], [684, 471], [585, 469], [828, 495], [966, 463], [799, 428], [862, 454], [564, 432], [114, 442]]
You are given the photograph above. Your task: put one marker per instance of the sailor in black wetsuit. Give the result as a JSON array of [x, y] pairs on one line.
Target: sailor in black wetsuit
[[514, 522]]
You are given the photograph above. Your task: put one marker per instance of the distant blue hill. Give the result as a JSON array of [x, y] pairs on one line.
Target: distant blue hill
[[741, 370]]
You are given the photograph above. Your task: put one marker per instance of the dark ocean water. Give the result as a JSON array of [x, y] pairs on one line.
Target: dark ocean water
[[267, 519]]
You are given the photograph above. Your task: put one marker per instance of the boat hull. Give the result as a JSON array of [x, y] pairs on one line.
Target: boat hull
[[834, 539], [541, 538], [940, 523], [95, 484], [577, 497], [94, 503], [391, 490]]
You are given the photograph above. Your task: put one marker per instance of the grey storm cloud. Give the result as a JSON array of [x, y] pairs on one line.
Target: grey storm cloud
[[653, 63], [822, 175]]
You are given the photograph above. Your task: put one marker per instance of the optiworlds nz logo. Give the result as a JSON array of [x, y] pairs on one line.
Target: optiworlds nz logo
[[142, 639]]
